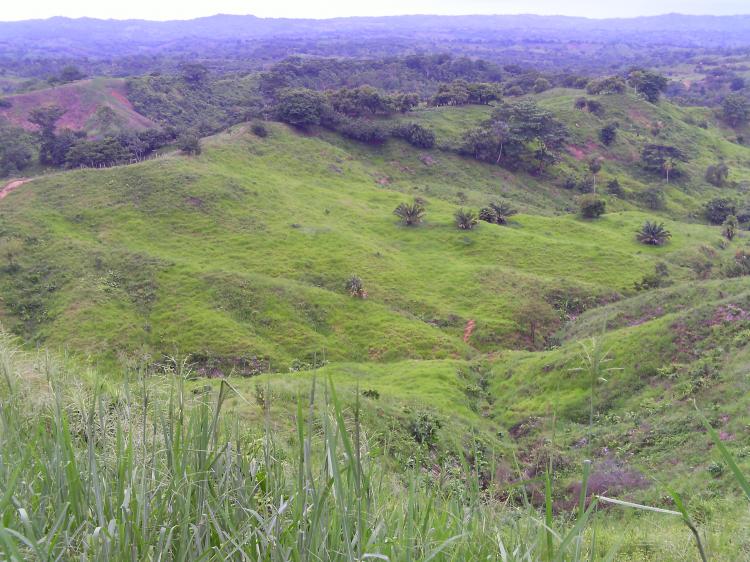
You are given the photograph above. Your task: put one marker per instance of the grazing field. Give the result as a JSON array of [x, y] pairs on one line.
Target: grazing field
[[248, 352]]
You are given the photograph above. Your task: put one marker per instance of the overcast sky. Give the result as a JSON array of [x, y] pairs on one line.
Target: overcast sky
[[185, 9]]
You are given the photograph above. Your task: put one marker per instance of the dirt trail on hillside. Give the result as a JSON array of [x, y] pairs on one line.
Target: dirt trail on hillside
[[11, 185]]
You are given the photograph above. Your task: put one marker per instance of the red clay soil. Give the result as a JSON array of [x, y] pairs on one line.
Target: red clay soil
[[11, 185]]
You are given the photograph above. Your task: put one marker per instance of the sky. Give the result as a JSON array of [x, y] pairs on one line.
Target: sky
[[185, 9]]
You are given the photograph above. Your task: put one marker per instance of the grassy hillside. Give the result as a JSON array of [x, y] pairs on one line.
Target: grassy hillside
[[492, 352], [80, 100], [245, 251], [637, 122]]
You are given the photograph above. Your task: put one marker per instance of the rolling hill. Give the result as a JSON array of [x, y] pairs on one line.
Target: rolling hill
[[471, 345], [81, 100]]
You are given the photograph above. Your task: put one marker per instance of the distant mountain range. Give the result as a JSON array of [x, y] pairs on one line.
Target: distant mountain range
[[226, 43], [102, 38]]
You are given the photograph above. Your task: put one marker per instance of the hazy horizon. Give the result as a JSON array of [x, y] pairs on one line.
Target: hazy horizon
[[295, 9]]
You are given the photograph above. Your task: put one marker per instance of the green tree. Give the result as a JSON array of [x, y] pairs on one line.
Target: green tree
[[415, 134], [718, 209], [71, 73], [541, 85], [46, 118], [717, 174], [662, 159], [537, 318], [194, 73], [649, 84], [608, 134], [735, 109], [300, 107], [189, 143], [595, 166]]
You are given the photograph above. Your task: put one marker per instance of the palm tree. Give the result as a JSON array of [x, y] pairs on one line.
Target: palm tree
[[668, 166], [497, 213], [653, 234], [595, 166], [411, 214], [465, 220]]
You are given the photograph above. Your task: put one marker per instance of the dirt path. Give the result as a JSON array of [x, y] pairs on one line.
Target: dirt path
[[11, 185]]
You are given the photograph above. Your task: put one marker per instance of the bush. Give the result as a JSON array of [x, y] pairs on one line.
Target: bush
[[570, 182], [356, 287], [465, 220], [740, 266], [609, 85], [410, 214], [653, 234], [415, 134], [259, 130], [614, 188], [717, 174], [363, 130], [718, 209], [189, 143], [592, 207], [729, 227], [423, 427], [608, 134], [653, 198]]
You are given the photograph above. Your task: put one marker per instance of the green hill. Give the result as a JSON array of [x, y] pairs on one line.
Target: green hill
[[239, 258], [82, 101]]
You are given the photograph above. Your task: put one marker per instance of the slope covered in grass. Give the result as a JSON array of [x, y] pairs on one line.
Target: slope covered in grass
[[245, 252], [694, 131]]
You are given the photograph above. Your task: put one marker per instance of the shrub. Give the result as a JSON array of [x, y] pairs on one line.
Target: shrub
[[595, 107], [653, 234], [609, 85], [497, 213], [570, 182], [740, 266], [614, 188], [653, 198], [659, 278], [423, 427], [259, 130], [411, 214], [729, 227], [592, 207], [363, 130], [718, 209], [465, 220], [415, 134], [189, 143], [608, 134], [717, 174], [356, 287]]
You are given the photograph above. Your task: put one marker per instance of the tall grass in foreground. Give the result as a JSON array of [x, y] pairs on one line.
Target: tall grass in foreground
[[155, 472]]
